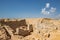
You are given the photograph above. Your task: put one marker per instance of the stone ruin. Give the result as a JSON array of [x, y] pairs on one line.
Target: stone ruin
[[30, 29], [20, 25]]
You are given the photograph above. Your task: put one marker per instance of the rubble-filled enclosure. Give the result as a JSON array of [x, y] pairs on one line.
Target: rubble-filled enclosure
[[29, 29]]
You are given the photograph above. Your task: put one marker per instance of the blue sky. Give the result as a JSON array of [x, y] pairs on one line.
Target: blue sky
[[29, 8]]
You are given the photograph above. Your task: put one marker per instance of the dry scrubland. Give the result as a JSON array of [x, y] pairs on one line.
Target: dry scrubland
[[30, 29]]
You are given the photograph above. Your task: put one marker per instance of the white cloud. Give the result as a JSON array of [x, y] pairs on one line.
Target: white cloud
[[47, 5], [51, 10], [44, 11]]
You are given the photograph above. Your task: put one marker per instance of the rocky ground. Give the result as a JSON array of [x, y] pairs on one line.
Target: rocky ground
[[30, 29]]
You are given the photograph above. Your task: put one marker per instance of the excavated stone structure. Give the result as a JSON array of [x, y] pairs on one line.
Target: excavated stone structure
[[30, 29]]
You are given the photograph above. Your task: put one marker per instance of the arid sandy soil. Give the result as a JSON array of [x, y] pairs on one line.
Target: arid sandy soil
[[30, 29]]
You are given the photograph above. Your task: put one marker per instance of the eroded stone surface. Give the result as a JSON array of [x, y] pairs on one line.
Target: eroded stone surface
[[30, 29]]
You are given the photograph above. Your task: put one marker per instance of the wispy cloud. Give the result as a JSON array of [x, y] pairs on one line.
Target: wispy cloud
[[44, 11], [51, 10], [47, 5]]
